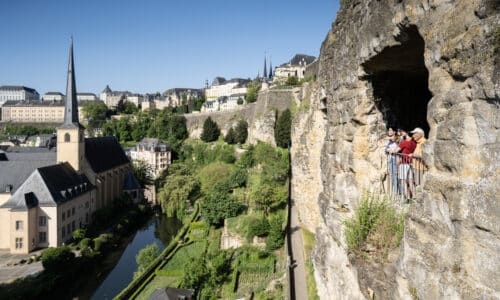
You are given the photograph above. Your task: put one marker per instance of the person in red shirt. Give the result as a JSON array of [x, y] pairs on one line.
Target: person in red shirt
[[405, 172]]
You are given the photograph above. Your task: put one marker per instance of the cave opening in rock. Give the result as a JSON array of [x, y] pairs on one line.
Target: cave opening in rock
[[399, 81]]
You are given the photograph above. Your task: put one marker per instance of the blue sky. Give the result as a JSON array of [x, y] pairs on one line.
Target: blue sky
[[153, 45]]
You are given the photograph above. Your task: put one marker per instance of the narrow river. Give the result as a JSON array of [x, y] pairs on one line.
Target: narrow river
[[118, 268]]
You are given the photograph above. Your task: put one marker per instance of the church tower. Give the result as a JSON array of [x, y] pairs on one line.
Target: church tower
[[265, 69], [70, 138]]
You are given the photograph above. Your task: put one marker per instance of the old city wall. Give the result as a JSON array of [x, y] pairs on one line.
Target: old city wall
[[443, 54], [261, 115]]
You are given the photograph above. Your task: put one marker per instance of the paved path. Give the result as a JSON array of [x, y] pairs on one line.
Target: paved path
[[11, 268], [298, 263]]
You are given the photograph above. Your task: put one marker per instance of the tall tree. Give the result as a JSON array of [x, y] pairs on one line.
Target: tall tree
[[230, 137], [241, 132], [211, 131], [282, 131]]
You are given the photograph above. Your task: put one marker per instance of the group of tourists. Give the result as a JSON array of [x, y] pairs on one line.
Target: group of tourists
[[404, 160]]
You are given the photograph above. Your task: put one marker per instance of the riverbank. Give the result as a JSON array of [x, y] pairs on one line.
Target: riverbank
[[70, 278]]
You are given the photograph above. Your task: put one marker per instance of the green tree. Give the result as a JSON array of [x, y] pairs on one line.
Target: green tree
[[143, 172], [276, 237], [292, 80], [56, 259], [240, 101], [95, 112], [211, 131], [241, 132], [219, 205], [79, 234], [146, 256], [282, 131], [253, 88], [126, 107], [124, 129], [269, 196], [178, 189], [195, 274], [213, 174], [230, 137], [199, 102]]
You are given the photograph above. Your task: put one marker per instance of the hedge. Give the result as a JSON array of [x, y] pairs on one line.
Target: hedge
[[138, 284]]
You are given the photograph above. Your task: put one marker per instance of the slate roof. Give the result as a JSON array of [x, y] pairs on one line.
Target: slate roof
[[104, 153], [20, 163], [49, 186], [54, 93], [131, 183], [106, 90], [295, 61], [17, 88], [169, 293]]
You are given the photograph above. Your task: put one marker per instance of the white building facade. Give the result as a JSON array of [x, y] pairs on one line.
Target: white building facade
[[156, 154], [17, 93]]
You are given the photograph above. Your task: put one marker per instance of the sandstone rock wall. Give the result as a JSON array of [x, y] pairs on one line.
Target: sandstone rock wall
[[308, 134], [261, 115], [451, 242]]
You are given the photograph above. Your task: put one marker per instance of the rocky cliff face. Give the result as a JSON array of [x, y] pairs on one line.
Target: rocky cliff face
[[261, 115], [408, 63]]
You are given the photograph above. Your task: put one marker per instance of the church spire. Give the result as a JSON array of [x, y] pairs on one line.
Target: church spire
[[71, 106], [270, 69], [265, 68]]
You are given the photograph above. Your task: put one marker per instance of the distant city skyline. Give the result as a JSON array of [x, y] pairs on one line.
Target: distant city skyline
[[151, 46]]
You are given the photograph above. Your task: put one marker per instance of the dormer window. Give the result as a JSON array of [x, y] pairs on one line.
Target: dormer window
[[67, 137]]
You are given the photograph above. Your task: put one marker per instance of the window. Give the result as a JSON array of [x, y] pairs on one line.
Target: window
[[86, 217], [19, 243], [42, 221], [68, 228], [68, 213], [73, 211], [63, 231], [63, 216], [42, 237], [67, 137], [19, 225], [73, 226]]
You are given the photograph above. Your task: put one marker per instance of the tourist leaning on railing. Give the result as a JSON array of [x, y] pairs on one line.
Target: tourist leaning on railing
[[419, 167], [392, 159], [405, 172]]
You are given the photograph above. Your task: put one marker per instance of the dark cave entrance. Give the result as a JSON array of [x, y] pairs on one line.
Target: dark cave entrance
[[399, 81]]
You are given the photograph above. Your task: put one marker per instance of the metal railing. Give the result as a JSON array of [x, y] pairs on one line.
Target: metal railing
[[404, 173]]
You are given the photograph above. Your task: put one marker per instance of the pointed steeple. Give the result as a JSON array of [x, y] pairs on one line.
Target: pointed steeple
[[265, 69], [71, 107], [270, 69]]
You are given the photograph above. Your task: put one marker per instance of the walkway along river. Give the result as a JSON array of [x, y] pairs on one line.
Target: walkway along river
[[117, 270]]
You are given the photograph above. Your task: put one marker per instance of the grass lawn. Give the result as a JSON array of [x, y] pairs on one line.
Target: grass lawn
[[157, 282], [312, 290], [183, 256]]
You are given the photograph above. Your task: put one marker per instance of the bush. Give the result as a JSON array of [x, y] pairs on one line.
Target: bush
[[375, 222], [79, 234], [213, 174], [210, 132], [217, 206], [259, 227], [292, 80], [101, 241], [276, 237], [241, 132], [146, 256], [85, 243], [56, 259]]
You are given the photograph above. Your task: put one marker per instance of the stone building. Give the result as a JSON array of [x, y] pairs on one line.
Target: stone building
[[45, 194], [35, 111], [17, 93], [86, 97], [155, 153], [221, 87], [112, 98], [53, 96], [295, 67], [176, 96]]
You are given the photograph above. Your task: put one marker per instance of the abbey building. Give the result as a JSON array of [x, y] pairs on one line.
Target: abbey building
[[45, 195]]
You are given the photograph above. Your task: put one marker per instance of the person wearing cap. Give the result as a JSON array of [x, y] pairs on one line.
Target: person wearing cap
[[418, 136]]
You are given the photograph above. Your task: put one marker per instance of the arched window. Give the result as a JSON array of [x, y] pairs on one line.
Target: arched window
[[66, 137]]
